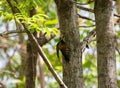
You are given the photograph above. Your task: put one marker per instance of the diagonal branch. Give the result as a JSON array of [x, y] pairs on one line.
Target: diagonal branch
[[37, 46], [39, 49], [85, 9], [84, 17], [89, 38]]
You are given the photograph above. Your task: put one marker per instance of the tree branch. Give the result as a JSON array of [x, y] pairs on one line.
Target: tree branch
[[37, 46], [85, 9], [88, 39], [87, 18], [90, 1], [39, 49], [87, 26], [91, 10], [8, 72], [43, 39], [11, 32]]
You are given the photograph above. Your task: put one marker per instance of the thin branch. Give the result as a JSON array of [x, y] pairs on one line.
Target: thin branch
[[87, 26], [43, 39], [91, 10], [40, 51], [117, 50], [84, 8], [11, 32], [88, 39], [87, 18], [89, 2], [8, 72], [117, 15]]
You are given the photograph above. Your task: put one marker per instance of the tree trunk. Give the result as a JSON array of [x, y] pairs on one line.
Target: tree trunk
[[31, 60], [30, 67], [72, 70], [106, 60]]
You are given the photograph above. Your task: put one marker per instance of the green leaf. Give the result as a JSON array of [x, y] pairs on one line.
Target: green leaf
[[55, 30], [58, 68], [48, 31], [50, 22]]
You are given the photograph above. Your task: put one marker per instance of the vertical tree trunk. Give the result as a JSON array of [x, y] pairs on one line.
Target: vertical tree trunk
[[106, 60], [72, 70], [30, 67], [31, 61]]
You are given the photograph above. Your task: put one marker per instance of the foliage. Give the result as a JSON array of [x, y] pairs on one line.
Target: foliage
[[45, 21]]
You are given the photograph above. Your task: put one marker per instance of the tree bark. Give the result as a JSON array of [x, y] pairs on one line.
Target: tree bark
[[72, 70], [106, 60], [30, 67], [31, 61]]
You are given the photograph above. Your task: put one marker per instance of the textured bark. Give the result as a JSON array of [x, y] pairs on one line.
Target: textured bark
[[106, 60], [30, 70], [72, 71], [32, 56], [30, 67]]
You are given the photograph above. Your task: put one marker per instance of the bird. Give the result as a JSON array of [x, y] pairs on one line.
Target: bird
[[61, 45]]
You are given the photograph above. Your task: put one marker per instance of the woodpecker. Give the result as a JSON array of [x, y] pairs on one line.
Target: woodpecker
[[61, 45]]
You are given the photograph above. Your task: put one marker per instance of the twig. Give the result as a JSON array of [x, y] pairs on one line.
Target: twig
[[11, 32], [117, 50], [84, 8], [91, 10], [88, 39], [87, 26], [90, 1], [117, 15], [8, 72], [86, 18]]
